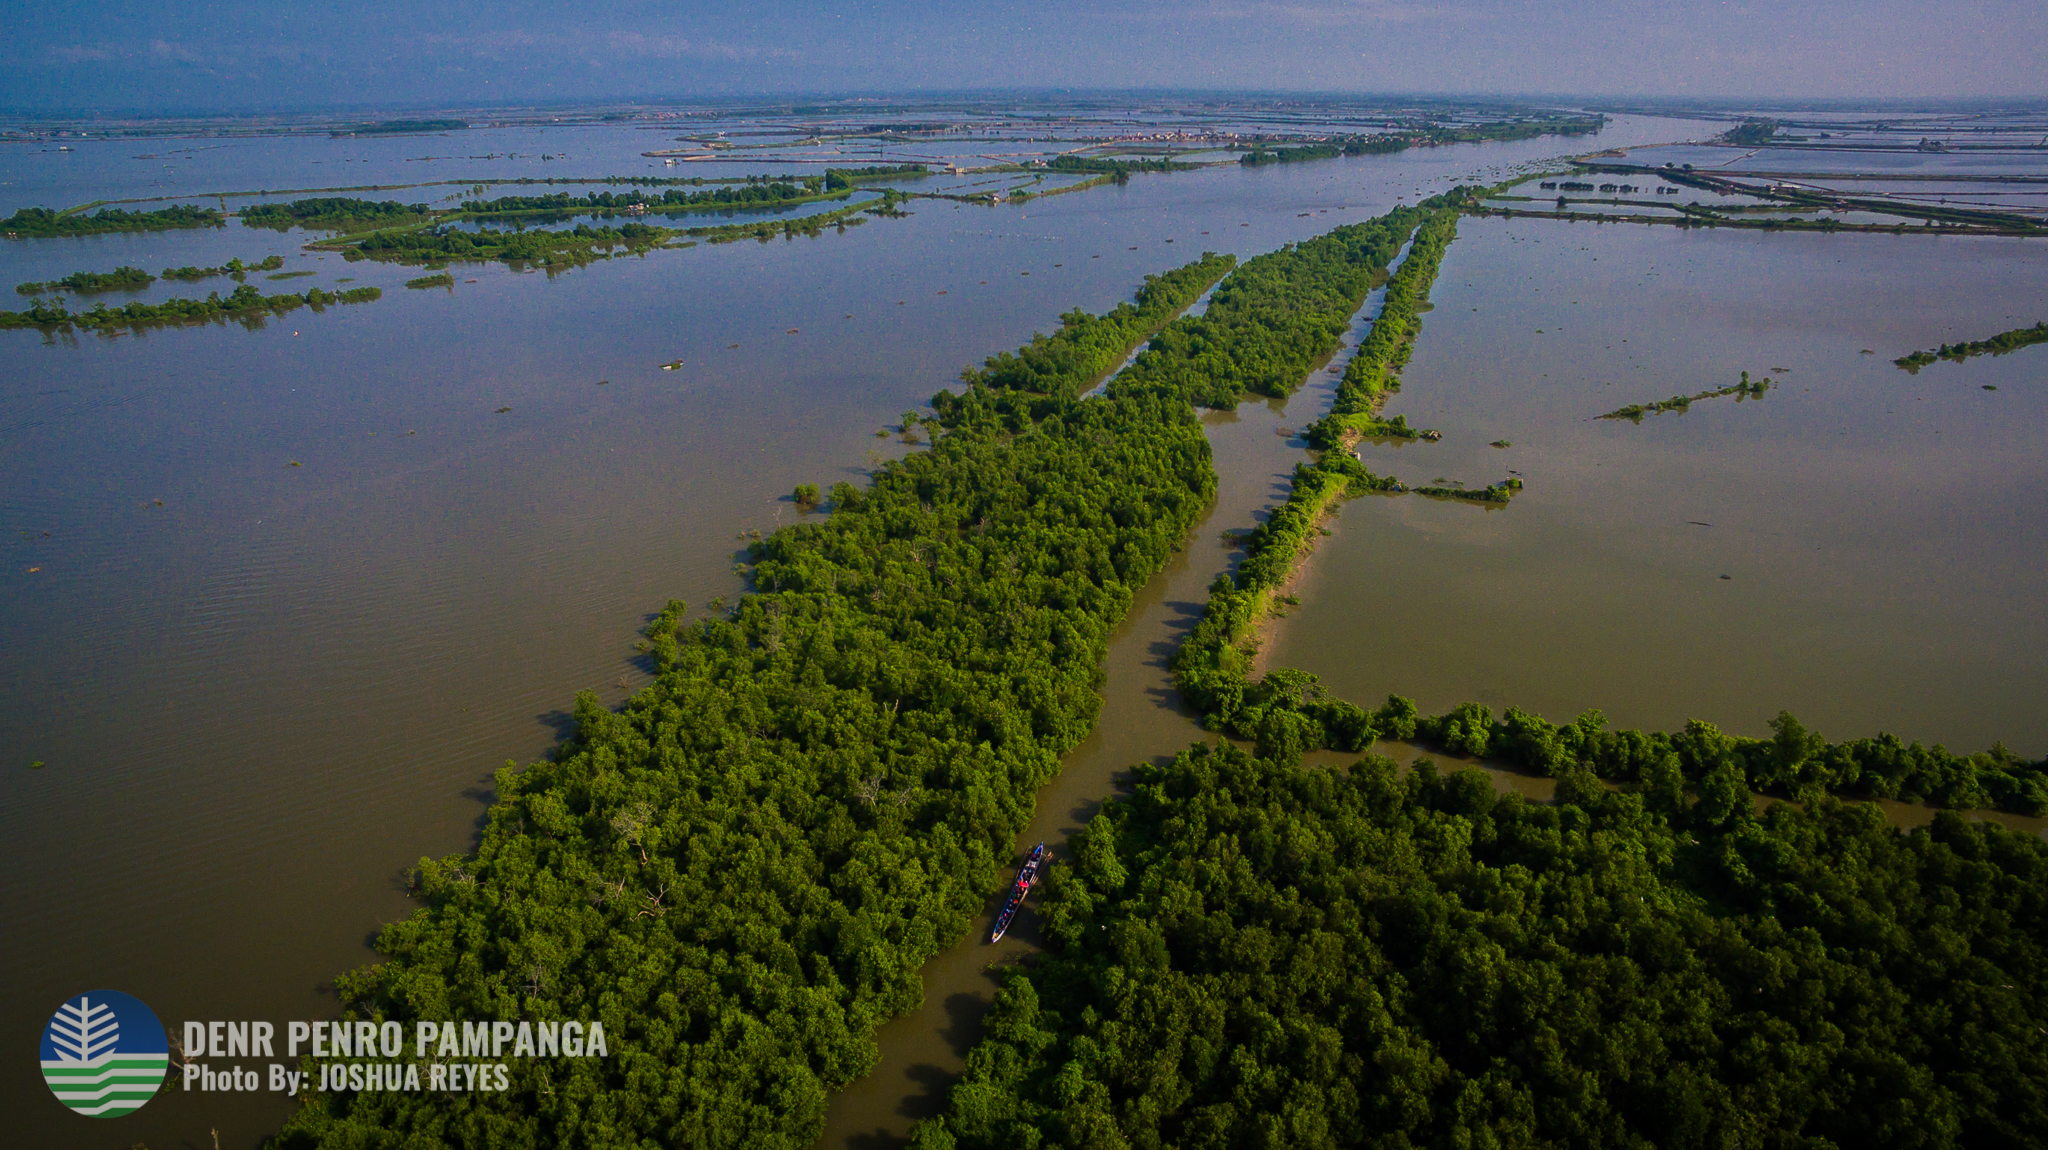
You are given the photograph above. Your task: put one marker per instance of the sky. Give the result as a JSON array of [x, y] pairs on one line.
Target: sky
[[242, 55]]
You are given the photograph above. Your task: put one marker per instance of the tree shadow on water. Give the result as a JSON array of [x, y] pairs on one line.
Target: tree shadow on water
[[962, 1028], [561, 722], [877, 1139]]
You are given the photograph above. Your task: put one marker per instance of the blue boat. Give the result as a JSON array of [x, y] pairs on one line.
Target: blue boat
[[1026, 875]]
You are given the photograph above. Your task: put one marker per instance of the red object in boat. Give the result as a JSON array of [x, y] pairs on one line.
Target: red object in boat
[[1026, 875]]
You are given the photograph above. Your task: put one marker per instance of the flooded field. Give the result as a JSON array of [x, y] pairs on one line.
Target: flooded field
[[1857, 546]]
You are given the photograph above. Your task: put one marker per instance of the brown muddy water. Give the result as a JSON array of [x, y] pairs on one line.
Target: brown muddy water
[[259, 692], [1861, 546]]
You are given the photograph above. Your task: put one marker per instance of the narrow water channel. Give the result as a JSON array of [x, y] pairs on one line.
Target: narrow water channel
[[1143, 718]]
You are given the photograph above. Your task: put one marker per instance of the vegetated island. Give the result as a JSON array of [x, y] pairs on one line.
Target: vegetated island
[[440, 280], [538, 246], [436, 240], [569, 247], [1634, 412], [234, 268], [123, 278], [1751, 132], [1360, 145], [44, 223], [750, 195], [332, 213], [1383, 143], [1116, 166], [246, 304], [399, 127], [2000, 344]]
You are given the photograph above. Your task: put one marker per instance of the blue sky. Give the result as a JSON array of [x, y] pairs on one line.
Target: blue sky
[[238, 54]]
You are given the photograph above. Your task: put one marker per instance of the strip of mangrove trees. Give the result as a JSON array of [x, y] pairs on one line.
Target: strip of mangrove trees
[[123, 278], [2000, 344], [246, 303], [35, 223]]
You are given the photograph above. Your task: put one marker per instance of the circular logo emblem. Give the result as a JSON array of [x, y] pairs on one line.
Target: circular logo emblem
[[104, 1054]]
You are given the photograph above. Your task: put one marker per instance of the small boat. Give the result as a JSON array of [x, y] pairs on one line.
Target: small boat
[[1026, 875]]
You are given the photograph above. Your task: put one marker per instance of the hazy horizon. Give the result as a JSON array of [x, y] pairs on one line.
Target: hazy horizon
[[240, 57]]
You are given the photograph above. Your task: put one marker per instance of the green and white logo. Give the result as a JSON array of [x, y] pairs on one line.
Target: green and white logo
[[104, 1054]]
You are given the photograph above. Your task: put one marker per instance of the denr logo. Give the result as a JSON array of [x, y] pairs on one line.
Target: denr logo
[[104, 1054]]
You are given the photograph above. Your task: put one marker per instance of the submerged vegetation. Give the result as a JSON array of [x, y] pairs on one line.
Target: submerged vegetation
[[2000, 344], [1634, 412], [246, 303], [41, 223], [123, 278], [1500, 492], [1249, 952], [234, 267]]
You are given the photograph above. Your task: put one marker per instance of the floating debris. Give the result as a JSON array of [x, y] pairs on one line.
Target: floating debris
[[674, 366], [1500, 443], [500, 411]]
